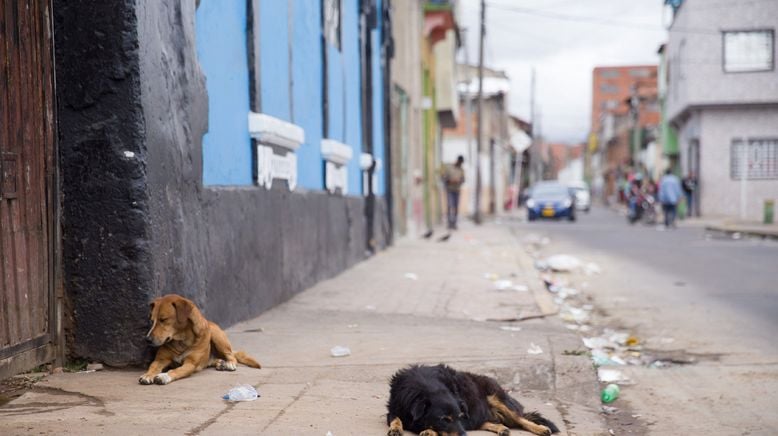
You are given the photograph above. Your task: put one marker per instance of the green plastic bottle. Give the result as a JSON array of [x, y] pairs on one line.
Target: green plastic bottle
[[610, 393]]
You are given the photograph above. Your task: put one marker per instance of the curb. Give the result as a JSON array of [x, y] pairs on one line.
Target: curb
[[762, 233], [543, 300]]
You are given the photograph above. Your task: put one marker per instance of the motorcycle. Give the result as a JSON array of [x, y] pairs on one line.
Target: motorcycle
[[643, 209]]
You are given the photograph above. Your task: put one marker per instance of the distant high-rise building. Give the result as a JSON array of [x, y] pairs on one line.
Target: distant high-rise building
[[612, 87]]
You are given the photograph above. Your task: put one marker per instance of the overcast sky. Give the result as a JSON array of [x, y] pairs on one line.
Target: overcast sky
[[563, 40]]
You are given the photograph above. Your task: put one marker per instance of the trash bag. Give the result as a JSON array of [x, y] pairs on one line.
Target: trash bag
[[563, 263]]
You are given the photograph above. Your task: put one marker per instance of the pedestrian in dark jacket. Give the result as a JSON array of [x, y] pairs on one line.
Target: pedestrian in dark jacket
[[453, 178], [689, 185]]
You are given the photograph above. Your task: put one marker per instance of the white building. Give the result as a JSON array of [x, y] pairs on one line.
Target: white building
[[723, 100]]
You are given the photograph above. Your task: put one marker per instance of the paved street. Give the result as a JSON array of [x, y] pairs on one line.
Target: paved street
[[701, 296], [419, 301]]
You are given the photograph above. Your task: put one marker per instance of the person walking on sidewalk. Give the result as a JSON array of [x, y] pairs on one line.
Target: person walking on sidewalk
[[689, 186], [453, 178], [669, 194]]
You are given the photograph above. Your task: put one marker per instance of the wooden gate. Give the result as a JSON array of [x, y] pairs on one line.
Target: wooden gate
[[27, 186]]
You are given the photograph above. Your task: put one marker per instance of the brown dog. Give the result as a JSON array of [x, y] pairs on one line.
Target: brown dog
[[185, 337]]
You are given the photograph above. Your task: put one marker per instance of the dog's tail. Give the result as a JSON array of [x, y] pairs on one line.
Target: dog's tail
[[537, 418], [247, 360]]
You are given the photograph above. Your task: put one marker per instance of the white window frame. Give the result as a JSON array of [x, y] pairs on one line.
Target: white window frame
[[277, 141], [729, 43]]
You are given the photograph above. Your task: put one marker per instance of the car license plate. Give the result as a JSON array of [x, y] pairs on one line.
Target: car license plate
[[548, 211]]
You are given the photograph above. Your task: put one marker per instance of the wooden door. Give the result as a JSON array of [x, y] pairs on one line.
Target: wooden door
[[26, 185]]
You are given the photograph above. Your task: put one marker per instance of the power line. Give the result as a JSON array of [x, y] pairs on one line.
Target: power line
[[731, 4], [598, 20], [479, 127]]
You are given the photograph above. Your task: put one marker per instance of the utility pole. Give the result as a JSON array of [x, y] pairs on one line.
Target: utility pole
[[532, 103], [468, 101], [534, 153], [480, 126], [468, 110]]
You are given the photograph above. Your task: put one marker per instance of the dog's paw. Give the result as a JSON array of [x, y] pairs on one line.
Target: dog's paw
[[429, 432], [543, 431], [162, 378], [223, 365], [146, 379], [394, 432], [504, 432]]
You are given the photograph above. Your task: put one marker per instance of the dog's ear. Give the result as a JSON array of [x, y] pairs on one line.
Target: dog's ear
[[199, 323], [187, 311], [419, 408], [183, 310]]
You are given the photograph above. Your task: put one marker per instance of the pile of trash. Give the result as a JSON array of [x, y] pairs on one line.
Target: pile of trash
[[501, 284], [573, 309], [567, 263], [614, 348]]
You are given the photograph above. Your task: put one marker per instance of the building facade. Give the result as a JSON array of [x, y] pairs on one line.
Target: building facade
[[722, 98], [234, 152], [625, 125], [423, 101], [498, 150]]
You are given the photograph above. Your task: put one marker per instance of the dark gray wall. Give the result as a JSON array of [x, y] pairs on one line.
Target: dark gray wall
[[105, 211], [139, 227]]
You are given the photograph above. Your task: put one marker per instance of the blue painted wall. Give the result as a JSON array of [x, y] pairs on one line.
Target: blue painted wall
[[274, 58], [307, 90], [291, 86], [344, 92], [221, 50], [378, 102], [353, 92]]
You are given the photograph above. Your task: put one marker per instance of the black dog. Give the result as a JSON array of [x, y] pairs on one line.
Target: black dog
[[441, 401]]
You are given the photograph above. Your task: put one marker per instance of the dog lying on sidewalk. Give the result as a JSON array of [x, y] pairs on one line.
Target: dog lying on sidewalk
[[441, 401], [186, 338]]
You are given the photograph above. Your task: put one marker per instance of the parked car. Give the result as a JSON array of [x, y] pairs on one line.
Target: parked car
[[550, 199], [583, 196]]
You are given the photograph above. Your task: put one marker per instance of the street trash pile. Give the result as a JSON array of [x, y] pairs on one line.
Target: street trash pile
[[563, 263], [573, 309], [501, 284], [241, 393], [610, 375], [614, 348]]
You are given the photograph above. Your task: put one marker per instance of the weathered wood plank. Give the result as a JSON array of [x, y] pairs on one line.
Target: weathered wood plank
[[12, 146], [24, 206], [49, 169], [5, 338]]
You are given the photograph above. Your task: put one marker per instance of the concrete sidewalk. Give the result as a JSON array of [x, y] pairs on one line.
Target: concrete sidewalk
[[720, 224], [420, 301]]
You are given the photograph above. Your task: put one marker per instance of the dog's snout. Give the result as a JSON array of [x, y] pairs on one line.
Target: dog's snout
[[149, 339]]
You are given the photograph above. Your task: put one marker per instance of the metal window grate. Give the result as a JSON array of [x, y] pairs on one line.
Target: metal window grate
[[761, 159]]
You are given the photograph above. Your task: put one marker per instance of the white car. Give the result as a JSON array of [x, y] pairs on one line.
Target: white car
[[583, 197]]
